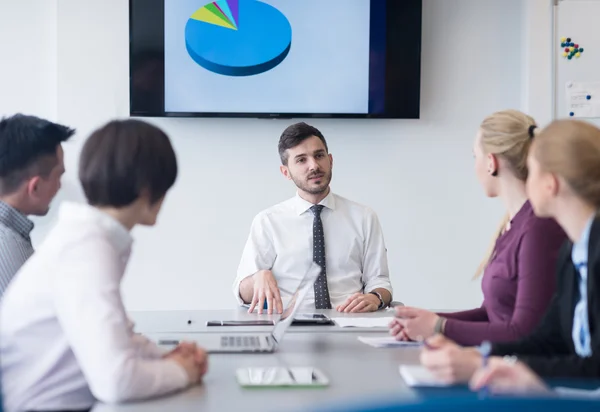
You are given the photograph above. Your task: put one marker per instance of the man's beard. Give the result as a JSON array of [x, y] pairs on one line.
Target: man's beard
[[305, 185]]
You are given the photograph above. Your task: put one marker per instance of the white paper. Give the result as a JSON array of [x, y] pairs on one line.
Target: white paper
[[415, 375], [386, 342], [578, 393], [578, 102], [363, 322]]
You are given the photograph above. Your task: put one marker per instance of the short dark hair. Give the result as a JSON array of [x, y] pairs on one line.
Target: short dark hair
[[124, 158], [294, 135], [28, 147]]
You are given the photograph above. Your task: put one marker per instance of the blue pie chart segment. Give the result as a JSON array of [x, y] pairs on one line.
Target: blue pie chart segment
[[260, 42]]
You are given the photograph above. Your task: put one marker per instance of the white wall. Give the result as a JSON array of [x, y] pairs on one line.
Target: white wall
[[416, 174], [28, 57], [538, 59]]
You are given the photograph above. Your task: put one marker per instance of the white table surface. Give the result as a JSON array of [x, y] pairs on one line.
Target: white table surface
[[195, 321], [357, 372]]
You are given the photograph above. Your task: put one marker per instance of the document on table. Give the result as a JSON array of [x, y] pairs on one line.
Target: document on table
[[363, 322], [416, 375], [386, 342]]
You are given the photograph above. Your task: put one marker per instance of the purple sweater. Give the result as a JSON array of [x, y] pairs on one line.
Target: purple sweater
[[517, 285]]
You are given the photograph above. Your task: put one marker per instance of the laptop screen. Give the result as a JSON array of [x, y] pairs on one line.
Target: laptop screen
[[287, 316]]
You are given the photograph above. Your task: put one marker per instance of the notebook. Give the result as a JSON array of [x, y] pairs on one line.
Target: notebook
[[364, 322], [386, 342], [419, 376]]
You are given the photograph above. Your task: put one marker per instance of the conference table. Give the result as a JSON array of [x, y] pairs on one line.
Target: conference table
[[358, 373]]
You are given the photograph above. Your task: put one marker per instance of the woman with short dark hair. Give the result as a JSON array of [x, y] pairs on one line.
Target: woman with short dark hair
[[65, 338]]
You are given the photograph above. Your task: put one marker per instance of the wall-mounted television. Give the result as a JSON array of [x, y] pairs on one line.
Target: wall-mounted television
[[275, 58]]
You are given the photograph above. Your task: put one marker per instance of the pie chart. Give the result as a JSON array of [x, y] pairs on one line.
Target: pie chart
[[238, 37]]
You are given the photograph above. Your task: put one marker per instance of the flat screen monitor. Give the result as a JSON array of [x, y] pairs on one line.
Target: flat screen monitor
[[275, 58]]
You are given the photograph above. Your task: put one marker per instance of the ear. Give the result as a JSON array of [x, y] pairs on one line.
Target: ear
[[285, 171], [552, 184], [33, 185], [492, 164], [331, 160]]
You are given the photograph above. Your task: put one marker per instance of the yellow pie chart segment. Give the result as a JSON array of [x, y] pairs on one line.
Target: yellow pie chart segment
[[207, 16]]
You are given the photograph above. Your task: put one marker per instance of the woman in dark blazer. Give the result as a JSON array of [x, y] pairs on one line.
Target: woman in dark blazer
[[564, 183]]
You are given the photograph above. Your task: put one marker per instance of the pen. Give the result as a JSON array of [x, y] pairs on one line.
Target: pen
[[484, 349], [424, 343], [168, 342]]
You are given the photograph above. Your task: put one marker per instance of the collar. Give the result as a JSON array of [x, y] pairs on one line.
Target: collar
[[82, 213], [302, 206], [525, 211], [579, 253], [15, 220]]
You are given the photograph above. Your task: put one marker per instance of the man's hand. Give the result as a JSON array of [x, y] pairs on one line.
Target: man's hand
[[502, 377], [416, 324], [265, 288], [448, 361], [193, 359], [360, 303]]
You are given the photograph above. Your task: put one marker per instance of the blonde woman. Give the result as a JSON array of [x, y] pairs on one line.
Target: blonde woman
[[564, 184], [518, 275]]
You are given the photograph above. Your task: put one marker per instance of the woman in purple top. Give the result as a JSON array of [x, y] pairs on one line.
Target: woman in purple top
[[518, 275]]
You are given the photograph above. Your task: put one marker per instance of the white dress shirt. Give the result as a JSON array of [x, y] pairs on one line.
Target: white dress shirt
[[281, 240], [65, 338]]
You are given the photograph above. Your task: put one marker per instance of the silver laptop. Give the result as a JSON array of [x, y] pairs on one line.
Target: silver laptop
[[262, 342]]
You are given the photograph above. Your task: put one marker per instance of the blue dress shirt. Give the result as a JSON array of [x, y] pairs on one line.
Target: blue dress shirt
[[581, 325]]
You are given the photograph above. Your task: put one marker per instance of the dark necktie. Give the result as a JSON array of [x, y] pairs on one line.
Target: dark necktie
[[322, 300]]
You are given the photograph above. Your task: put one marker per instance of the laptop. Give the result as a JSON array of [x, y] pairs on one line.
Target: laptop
[[262, 342]]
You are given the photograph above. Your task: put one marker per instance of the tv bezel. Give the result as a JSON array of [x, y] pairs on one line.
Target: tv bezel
[[403, 44]]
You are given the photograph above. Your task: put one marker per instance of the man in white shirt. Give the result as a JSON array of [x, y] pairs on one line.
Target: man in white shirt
[[65, 338], [342, 236]]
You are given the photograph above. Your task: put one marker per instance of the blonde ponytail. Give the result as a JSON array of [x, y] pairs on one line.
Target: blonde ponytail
[[492, 246], [509, 134]]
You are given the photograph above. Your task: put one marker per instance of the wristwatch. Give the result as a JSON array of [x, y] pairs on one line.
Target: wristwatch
[[381, 302]]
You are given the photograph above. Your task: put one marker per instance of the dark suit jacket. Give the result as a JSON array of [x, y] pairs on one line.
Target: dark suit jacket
[[549, 349]]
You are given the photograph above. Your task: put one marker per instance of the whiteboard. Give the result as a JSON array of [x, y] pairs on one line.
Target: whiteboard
[[578, 20]]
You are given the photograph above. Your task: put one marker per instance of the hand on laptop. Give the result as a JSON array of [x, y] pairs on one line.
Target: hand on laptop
[[265, 288], [191, 358], [359, 302]]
